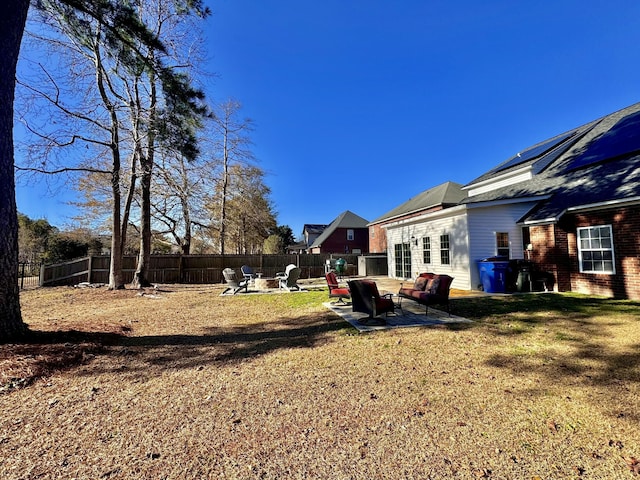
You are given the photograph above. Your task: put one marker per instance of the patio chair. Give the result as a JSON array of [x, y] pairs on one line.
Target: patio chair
[[335, 290], [365, 298], [247, 272], [288, 280], [233, 285]]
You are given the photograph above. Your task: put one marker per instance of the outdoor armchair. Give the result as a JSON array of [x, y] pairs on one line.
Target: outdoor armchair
[[365, 298], [335, 290], [247, 272], [288, 280], [233, 285]]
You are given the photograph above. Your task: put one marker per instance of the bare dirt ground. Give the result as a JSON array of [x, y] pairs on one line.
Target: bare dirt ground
[[179, 382]]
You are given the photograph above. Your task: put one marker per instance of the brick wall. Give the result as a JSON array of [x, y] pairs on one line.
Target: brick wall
[[377, 239], [556, 250]]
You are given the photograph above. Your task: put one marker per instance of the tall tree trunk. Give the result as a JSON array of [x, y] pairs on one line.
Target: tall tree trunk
[[186, 239], [141, 277], [12, 24], [225, 186], [116, 279]]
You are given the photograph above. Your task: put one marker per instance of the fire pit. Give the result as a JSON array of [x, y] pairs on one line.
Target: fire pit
[[264, 283]]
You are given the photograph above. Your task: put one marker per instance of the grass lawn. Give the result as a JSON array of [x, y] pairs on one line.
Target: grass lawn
[[182, 383]]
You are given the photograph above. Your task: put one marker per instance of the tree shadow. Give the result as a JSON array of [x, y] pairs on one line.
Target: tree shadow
[[45, 353], [538, 309], [235, 343], [570, 347]]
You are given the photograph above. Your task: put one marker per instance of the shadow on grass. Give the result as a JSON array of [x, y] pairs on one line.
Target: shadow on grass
[[235, 343], [540, 308], [48, 352], [567, 338], [45, 353], [42, 354]]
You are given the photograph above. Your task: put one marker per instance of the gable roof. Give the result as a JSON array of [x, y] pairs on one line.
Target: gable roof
[[592, 165], [313, 228], [446, 194], [346, 219]]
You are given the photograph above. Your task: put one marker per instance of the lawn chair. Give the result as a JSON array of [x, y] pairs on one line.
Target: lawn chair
[[288, 280], [233, 285], [365, 298], [335, 290], [247, 272]]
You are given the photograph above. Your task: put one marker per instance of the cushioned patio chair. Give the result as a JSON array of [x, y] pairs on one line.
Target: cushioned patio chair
[[335, 290], [288, 280], [233, 285], [365, 298]]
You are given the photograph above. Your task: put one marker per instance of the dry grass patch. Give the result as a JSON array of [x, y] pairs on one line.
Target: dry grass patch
[[182, 383]]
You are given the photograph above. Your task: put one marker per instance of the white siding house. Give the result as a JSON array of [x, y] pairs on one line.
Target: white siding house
[[485, 224], [416, 246], [569, 206], [473, 232]]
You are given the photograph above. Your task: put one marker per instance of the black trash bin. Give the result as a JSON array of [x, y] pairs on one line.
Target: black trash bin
[[524, 281]]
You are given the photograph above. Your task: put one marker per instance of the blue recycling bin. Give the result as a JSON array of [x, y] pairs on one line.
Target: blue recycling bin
[[493, 274]]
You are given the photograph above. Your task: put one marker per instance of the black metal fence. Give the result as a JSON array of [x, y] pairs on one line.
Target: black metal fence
[[29, 274]]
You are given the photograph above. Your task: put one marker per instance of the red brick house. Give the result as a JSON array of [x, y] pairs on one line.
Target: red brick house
[[569, 204], [348, 233], [584, 227]]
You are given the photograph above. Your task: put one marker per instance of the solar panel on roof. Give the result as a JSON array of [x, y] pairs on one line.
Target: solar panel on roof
[[621, 139], [535, 151]]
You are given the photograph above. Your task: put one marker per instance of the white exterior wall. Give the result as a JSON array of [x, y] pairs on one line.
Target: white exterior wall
[[454, 223], [484, 223], [472, 235]]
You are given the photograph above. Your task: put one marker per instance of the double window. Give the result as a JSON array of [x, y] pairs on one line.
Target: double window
[[595, 249]]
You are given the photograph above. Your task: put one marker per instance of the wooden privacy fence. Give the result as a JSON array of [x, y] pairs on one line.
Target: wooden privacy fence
[[194, 269]]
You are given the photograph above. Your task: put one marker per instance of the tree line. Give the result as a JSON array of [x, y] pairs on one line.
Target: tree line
[[110, 98]]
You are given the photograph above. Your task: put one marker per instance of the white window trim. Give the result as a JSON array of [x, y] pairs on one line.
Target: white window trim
[[580, 250], [427, 250], [448, 249], [350, 234], [508, 244]]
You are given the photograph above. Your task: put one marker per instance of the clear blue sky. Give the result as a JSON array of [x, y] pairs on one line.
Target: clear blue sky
[[360, 105]]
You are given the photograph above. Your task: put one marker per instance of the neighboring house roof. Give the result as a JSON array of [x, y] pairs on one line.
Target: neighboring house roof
[[590, 166], [446, 194], [346, 219], [313, 229], [297, 246]]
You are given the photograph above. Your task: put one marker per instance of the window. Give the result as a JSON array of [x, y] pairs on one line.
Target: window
[[502, 244], [349, 234], [595, 249], [426, 250], [445, 258], [403, 260]]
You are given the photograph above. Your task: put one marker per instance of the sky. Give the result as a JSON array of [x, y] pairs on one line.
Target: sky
[[361, 105]]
